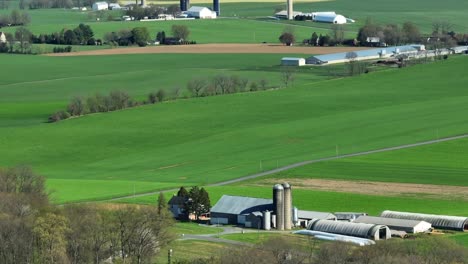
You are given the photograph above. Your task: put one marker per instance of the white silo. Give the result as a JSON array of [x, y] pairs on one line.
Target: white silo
[[266, 220], [290, 10]]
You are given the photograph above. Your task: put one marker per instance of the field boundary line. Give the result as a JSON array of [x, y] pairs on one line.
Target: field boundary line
[[307, 162]]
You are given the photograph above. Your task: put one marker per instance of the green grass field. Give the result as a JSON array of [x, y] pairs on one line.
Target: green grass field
[[442, 163], [206, 140], [325, 201]]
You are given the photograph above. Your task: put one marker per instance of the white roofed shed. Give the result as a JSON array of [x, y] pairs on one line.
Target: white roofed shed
[[409, 226]]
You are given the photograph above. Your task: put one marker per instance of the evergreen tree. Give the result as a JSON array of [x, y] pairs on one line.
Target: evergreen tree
[[182, 192]]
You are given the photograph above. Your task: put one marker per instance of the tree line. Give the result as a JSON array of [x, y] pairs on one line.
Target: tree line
[[140, 36], [34, 231], [196, 202], [117, 100], [15, 18]]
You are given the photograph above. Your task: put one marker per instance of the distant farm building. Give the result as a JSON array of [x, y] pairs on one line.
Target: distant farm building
[[100, 6], [305, 216], [369, 231], [288, 61], [2, 37], [329, 17], [365, 54], [201, 12], [348, 216], [409, 226], [114, 6], [457, 223], [284, 14]]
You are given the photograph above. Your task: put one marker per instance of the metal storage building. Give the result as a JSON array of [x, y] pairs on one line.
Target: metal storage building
[[458, 223], [289, 61], [201, 12], [370, 231], [409, 226], [235, 209], [348, 216], [329, 18]]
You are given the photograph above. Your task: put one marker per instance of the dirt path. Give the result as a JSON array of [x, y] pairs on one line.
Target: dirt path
[[377, 188], [214, 49]]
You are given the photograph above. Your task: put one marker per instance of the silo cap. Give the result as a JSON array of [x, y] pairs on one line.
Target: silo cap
[[278, 187], [286, 185]]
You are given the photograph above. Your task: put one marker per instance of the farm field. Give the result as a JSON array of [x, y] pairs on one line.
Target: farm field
[[51, 82], [193, 142], [442, 164]]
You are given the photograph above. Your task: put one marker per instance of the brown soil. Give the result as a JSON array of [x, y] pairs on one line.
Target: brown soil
[[214, 48], [377, 188]]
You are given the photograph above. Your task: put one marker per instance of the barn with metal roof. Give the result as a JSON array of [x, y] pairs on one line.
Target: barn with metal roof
[[369, 54], [370, 231], [458, 223], [235, 209], [409, 226]]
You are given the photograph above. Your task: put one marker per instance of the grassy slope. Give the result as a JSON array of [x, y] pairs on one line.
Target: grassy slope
[[50, 82], [212, 139], [443, 163]]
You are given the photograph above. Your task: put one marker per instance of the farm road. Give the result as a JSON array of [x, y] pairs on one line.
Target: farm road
[[307, 162]]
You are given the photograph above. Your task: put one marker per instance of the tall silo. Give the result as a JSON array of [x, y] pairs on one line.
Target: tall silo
[[287, 206], [278, 204], [266, 220], [216, 7], [290, 10], [295, 216]]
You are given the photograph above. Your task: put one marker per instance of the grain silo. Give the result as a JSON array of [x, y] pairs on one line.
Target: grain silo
[[183, 5], [216, 7], [290, 10], [278, 205], [287, 201], [266, 220]]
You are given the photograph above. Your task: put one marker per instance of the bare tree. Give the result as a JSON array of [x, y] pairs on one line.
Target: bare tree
[[337, 33], [287, 75], [195, 86]]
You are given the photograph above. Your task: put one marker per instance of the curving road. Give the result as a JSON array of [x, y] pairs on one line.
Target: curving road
[[303, 163]]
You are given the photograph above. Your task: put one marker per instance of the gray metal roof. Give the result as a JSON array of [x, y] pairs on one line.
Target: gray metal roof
[[363, 53], [348, 215], [241, 205], [313, 214], [395, 223], [345, 228], [437, 221]]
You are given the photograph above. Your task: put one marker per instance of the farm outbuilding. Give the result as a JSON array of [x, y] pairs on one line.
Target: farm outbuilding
[[331, 17], [370, 231], [201, 12], [348, 216], [305, 216], [288, 61], [409, 226], [368, 54], [235, 210], [457, 223], [100, 6]]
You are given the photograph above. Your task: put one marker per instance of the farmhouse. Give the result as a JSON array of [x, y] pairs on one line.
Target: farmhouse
[[288, 61], [369, 231], [409, 226], [201, 12], [100, 6], [2, 37], [176, 206], [369, 54], [457, 223]]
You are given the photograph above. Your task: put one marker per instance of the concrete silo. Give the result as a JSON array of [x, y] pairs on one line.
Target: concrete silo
[[290, 10], [287, 201], [278, 205]]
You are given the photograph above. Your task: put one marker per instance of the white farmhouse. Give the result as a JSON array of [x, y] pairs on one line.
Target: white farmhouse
[[201, 12], [100, 6], [2, 37]]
